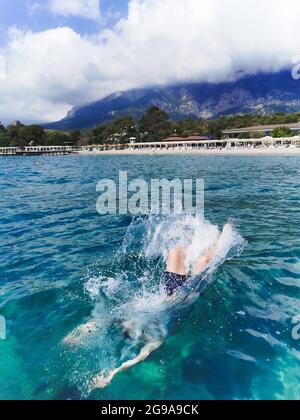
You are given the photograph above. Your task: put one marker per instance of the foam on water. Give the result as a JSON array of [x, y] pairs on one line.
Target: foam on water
[[130, 293], [51, 236]]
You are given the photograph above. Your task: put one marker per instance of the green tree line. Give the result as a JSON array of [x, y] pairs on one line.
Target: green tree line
[[20, 135], [155, 125]]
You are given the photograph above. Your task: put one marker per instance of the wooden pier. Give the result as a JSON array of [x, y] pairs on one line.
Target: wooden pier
[[37, 151]]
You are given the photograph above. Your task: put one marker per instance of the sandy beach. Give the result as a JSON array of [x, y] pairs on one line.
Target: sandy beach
[[200, 152]]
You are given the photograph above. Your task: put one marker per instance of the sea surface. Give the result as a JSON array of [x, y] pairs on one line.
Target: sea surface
[[63, 265]]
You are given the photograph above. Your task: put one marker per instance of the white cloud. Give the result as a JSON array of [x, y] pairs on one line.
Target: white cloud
[[3, 74], [85, 8], [158, 43]]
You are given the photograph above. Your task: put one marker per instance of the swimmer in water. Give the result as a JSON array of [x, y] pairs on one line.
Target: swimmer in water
[[175, 277]]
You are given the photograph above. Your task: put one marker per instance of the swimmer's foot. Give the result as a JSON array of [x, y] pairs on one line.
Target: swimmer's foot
[[101, 381]]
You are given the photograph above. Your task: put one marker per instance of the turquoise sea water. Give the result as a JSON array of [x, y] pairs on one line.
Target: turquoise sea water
[[59, 261]]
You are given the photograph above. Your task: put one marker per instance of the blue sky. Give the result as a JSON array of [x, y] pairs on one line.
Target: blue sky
[[35, 15]]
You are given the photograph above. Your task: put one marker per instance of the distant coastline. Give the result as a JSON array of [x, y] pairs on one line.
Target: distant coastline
[[244, 150], [197, 152]]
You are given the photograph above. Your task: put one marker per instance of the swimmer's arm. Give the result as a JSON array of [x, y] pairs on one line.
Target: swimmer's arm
[[203, 262]]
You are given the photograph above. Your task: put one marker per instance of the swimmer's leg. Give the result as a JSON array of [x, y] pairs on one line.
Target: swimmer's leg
[[102, 381], [176, 261]]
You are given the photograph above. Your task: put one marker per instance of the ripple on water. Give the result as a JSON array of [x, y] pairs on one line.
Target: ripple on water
[[235, 340]]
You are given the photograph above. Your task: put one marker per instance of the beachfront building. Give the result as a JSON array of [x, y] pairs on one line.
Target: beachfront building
[[196, 137], [173, 138], [196, 141], [264, 130], [193, 139], [175, 141], [179, 143]]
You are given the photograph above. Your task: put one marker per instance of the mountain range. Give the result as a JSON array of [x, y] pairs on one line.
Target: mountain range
[[259, 94]]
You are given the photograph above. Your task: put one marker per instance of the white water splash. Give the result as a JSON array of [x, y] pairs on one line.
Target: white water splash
[[132, 295]]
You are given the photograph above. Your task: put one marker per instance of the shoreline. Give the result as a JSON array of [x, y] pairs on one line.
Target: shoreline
[[239, 152]]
